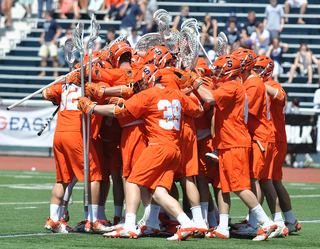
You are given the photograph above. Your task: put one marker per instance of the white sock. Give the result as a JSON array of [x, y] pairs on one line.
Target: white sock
[[54, 212], [130, 222], [197, 215], [289, 216], [184, 220], [118, 211], [212, 219], [92, 213], [61, 211], [224, 221], [259, 213], [277, 218], [252, 221], [101, 213], [86, 214], [153, 213], [204, 211]]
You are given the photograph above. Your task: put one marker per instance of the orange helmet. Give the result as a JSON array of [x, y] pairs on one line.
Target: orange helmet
[[94, 55], [264, 66], [86, 59], [226, 66], [145, 77], [158, 56], [116, 51], [247, 58]]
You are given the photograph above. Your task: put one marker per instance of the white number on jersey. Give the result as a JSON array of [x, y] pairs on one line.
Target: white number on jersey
[[69, 98], [172, 115]]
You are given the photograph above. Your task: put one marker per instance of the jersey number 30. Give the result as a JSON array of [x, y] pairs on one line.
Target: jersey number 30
[[172, 115]]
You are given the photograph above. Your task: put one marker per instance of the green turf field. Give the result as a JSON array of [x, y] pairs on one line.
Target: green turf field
[[25, 199]]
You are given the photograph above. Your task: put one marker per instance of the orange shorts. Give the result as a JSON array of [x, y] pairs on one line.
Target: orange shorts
[[98, 145], [280, 152], [261, 163], [234, 169], [206, 168], [133, 142], [156, 167], [189, 154], [68, 154], [112, 155]]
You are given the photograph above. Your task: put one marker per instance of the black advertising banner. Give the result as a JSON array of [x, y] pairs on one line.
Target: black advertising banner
[[301, 133]]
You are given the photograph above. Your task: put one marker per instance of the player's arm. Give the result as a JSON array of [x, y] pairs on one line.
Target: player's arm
[[206, 95], [116, 108], [276, 94], [96, 91]]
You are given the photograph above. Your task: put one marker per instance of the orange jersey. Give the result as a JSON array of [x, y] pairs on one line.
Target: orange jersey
[[115, 76], [277, 111], [259, 120], [162, 111], [230, 113], [167, 78], [69, 117]]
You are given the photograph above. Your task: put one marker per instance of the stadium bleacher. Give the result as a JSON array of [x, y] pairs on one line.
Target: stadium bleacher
[[20, 64]]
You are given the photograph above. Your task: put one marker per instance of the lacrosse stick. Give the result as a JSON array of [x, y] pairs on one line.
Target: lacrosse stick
[[77, 38], [62, 78], [117, 40], [192, 24], [95, 28], [148, 41], [162, 17], [221, 44], [189, 48]]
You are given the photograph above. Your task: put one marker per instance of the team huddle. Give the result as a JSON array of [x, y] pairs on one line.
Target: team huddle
[[153, 123]]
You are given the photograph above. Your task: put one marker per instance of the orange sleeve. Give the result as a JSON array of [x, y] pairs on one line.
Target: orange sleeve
[[224, 94]]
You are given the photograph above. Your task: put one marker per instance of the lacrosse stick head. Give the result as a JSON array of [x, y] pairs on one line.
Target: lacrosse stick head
[[77, 37], [69, 50], [172, 40], [148, 41], [225, 67], [192, 24], [264, 66], [189, 48], [158, 56], [145, 77], [118, 50], [117, 40], [162, 18], [94, 31], [220, 46], [247, 57]]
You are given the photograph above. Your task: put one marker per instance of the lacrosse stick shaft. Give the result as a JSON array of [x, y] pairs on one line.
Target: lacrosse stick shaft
[[205, 53], [60, 79], [48, 122], [88, 115], [85, 162]]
